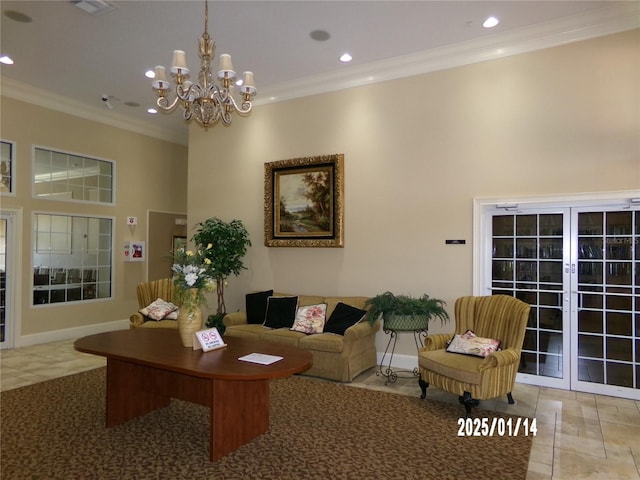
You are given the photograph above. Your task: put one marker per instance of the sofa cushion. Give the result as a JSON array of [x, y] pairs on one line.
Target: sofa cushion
[[246, 330], [463, 368], [281, 312], [310, 318], [343, 317], [323, 342], [256, 306], [158, 309], [282, 335]]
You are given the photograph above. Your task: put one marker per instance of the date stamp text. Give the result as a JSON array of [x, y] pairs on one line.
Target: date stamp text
[[497, 427]]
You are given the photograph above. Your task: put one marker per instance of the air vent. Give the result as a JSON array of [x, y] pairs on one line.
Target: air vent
[[94, 7]]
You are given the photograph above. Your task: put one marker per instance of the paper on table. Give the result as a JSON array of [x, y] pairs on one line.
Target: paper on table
[[261, 358]]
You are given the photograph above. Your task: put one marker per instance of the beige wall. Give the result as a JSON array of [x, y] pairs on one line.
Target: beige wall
[[150, 174], [417, 152]]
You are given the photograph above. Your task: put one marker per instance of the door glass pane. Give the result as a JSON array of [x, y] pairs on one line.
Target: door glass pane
[[527, 264], [3, 279], [608, 292]]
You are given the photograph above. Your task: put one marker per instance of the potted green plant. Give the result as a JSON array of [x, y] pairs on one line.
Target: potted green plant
[[225, 245], [403, 312]]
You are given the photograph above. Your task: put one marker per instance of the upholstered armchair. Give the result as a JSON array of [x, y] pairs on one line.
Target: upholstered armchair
[[474, 378], [147, 293]]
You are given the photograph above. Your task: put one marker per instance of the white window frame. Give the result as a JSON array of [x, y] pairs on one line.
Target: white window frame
[[111, 264], [12, 160], [65, 197]]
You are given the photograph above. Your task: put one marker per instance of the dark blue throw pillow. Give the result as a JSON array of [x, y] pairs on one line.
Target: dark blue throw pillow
[[281, 312], [343, 317], [256, 306]]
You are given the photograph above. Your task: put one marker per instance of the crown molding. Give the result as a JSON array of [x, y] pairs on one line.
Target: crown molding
[[616, 18], [596, 23], [42, 98]]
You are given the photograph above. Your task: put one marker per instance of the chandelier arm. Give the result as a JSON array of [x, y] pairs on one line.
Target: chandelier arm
[[163, 103], [188, 113], [247, 106], [245, 109]]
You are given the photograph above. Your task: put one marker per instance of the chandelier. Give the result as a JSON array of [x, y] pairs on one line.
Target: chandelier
[[208, 101]]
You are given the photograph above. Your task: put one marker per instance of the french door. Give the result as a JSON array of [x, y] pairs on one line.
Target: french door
[[579, 269], [606, 302], [6, 269]]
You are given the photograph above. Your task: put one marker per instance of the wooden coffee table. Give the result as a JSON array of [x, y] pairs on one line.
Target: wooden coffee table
[[148, 367]]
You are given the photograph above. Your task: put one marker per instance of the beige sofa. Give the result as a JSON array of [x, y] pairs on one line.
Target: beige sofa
[[335, 357]]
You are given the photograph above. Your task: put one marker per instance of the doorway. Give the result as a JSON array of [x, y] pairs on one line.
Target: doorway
[[7, 278], [166, 230], [578, 266]]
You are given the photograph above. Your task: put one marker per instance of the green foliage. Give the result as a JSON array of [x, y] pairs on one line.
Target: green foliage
[[215, 320], [229, 242], [224, 244], [387, 304]]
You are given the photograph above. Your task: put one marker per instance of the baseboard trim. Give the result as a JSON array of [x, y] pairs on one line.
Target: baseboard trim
[[403, 362], [69, 333]]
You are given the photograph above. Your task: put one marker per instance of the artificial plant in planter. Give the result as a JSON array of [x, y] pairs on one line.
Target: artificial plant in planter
[[225, 244], [403, 312]]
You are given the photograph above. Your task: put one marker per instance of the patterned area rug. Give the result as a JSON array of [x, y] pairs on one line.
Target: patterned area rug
[[319, 430]]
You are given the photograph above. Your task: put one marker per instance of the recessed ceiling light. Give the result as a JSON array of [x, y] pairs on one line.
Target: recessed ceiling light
[[239, 82], [345, 57], [17, 16], [490, 22], [6, 60], [94, 7], [320, 35], [150, 74], [152, 110]]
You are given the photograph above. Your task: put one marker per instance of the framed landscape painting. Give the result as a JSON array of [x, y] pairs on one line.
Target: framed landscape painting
[[303, 202]]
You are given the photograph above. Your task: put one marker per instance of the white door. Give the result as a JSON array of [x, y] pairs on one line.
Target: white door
[[605, 301], [529, 258], [6, 271], [579, 269]]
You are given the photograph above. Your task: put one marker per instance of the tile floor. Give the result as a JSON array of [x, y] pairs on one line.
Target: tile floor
[[579, 435]]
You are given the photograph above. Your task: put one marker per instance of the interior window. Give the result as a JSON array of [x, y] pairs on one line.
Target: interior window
[[72, 258], [6, 167], [65, 176]]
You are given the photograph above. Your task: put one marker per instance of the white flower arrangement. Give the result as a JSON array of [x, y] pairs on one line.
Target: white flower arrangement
[[191, 271]]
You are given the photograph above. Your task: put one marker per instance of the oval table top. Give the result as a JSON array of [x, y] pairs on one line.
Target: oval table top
[[162, 348]]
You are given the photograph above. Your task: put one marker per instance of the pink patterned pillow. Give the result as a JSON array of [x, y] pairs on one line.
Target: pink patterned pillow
[[310, 318], [158, 309], [470, 344]]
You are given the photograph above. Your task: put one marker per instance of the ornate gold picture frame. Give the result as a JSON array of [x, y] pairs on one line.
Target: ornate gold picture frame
[[303, 202]]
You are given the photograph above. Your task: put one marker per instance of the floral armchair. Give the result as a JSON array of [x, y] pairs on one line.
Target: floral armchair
[[475, 378]]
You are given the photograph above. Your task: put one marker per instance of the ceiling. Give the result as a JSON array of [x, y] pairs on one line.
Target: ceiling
[[73, 58]]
